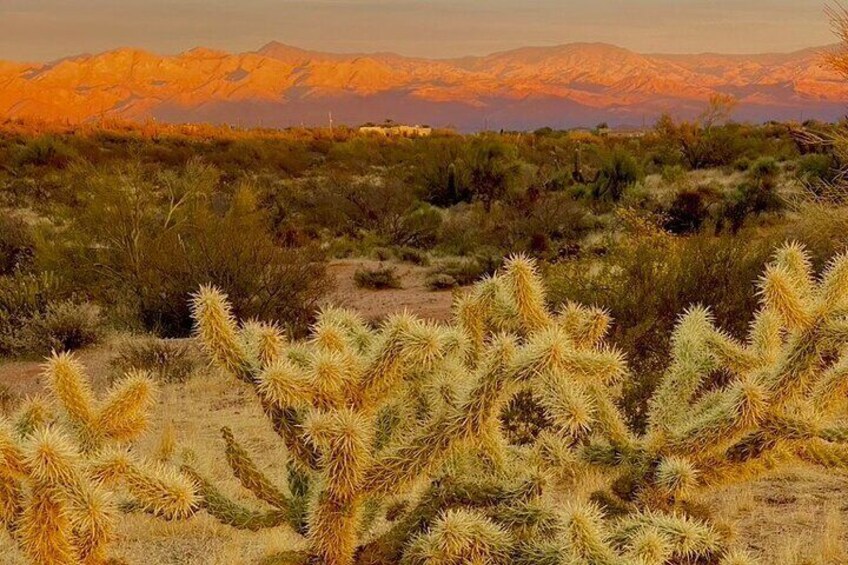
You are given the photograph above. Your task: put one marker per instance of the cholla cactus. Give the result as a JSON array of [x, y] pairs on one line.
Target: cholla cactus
[[367, 416], [785, 387], [53, 500]]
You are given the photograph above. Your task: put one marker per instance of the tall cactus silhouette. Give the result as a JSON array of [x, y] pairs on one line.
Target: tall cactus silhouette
[[54, 501]]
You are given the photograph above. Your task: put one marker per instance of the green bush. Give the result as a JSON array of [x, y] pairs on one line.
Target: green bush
[[440, 281], [380, 278], [47, 151], [619, 170], [66, 326], [17, 246], [168, 360]]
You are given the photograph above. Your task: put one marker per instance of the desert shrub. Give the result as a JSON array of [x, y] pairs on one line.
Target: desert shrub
[[156, 238], [35, 318], [47, 151], [619, 170], [742, 165], [413, 255], [763, 168], [463, 270], [440, 281], [419, 227], [66, 325], [167, 360], [17, 245], [672, 174], [816, 167], [690, 209], [379, 278], [8, 399]]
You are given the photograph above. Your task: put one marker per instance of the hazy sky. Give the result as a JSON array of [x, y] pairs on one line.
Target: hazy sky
[[46, 29]]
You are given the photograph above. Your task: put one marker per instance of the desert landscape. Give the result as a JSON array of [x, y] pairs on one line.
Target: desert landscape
[[560, 304]]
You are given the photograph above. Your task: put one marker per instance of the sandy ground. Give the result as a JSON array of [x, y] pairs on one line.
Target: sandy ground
[[796, 517], [375, 304]]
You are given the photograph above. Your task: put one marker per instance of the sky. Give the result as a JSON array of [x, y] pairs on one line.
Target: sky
[[43, 30]]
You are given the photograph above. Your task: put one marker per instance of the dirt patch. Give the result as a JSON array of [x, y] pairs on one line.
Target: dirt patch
[[377, 304]]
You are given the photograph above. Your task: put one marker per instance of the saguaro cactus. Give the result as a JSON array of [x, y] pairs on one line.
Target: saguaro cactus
[[53, 500]]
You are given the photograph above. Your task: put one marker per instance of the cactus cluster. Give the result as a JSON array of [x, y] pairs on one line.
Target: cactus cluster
[[383, 425], [782, 393], [64, 459]]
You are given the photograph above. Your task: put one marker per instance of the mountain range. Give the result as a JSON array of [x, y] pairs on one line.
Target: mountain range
[[577, 84]]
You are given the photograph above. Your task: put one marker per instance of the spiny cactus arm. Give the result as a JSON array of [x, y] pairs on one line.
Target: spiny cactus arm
[[492, 387], [218, 332], [285, 385], [689, 538], [793, 258], [45, 532], [428, 446], [262, 342], [443, 494], [287, 423], [159, 489], [831, 386], [11, 454], [469, 318], [92, 515], [691, 362], [585, 534], [568, 403], [332, 377], [344, 438], [557, 456], [676, 477], [730, 353], [355, 330], [123, 414], [723, 421], [33, 414], [765, 338], [459, 537], [521, 277], [403, 341], [824, 453], [550, 350], [528, 519], [228, 512], [12, 472], [834, 286], [782, 293], [248, 474], [610, 419], [70, 387], [649, 546]]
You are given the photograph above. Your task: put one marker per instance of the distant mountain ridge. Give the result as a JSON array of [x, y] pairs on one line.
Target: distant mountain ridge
[[279, 85]]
